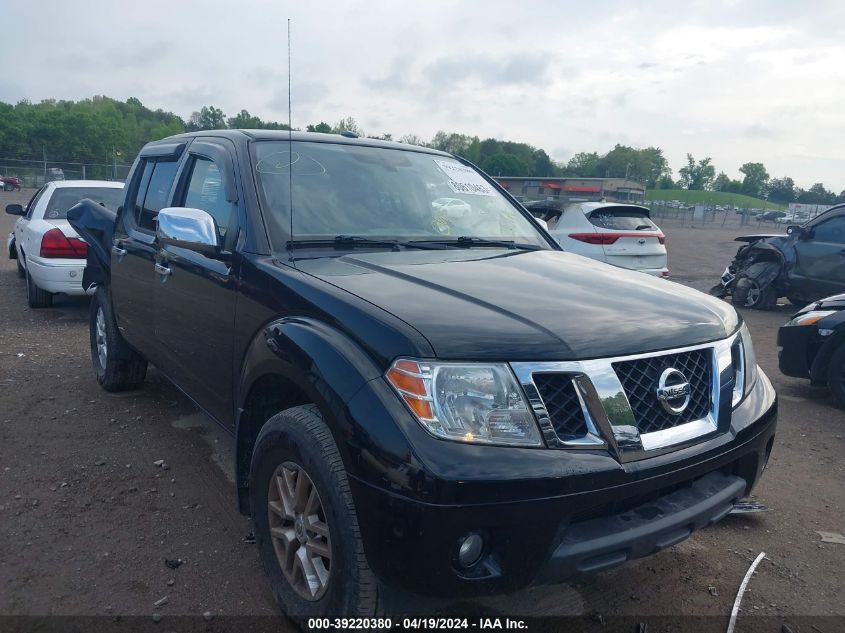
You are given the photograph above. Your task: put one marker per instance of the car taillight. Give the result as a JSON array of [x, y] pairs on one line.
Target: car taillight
[[610, 238], [595, 238], [55, 244]]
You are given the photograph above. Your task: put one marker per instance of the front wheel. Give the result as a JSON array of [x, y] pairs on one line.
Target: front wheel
[[306, 526], [749, 293], [118, 367], [836, 376]]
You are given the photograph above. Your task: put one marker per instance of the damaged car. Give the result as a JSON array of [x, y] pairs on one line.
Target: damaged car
[[804, 265], [811, 345]]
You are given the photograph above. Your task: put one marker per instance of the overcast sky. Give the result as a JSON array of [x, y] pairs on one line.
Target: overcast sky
[[737, 81]]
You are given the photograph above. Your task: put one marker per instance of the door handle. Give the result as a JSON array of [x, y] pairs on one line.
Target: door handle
[[162, 270], [120, 252]]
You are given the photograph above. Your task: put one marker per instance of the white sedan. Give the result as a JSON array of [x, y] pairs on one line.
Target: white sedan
[[50, 254], [618, 234], [452, 207]]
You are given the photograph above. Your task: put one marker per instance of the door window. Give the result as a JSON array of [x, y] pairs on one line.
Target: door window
[[832, 230], [160, 182], [205, 191]]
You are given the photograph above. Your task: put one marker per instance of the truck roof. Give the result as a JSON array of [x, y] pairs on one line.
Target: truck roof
[[239, 136]]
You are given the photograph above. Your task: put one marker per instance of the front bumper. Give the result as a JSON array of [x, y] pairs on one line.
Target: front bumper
[[63, 276], [559, 513]]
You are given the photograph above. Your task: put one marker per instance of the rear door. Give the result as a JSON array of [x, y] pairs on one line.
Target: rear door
[[629, 238], [195, 298], [133, 257], [820, 259]]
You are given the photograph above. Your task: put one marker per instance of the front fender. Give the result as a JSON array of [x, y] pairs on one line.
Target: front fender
[[319, 361]]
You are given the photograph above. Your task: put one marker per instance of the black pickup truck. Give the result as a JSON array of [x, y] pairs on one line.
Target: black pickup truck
[[423, 390]]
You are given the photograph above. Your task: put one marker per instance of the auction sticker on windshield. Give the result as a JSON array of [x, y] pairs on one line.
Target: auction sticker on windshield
[[463, 179]]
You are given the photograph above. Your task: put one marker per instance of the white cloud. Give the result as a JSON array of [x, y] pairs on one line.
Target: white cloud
[[738, 81]]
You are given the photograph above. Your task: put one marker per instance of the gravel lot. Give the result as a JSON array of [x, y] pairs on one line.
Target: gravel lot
[[87, 520]]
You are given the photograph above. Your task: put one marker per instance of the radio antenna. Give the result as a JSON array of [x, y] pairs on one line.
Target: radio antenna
[[290, 148]]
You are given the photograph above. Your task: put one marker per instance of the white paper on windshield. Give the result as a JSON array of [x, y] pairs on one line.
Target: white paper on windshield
[[463, 179]]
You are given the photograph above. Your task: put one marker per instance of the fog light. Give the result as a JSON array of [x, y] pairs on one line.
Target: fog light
[[470, 550]]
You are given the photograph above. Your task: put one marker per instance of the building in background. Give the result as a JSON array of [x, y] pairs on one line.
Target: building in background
[[574, 189]]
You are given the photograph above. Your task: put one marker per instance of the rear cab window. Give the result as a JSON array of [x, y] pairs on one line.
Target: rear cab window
[[622, 218]]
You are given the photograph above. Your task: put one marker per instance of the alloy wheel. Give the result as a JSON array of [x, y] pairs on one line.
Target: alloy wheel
[[102, 345], [299, 531]]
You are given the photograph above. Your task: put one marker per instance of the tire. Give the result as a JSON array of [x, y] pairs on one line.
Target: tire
[[36, 297], [747, 293], [118, 367], [836, 376], [718, 291], [292, 443], [21, 270]]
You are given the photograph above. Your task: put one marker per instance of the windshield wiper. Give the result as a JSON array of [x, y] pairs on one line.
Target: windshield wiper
[[352, 241], [466, 241], [643, 227]]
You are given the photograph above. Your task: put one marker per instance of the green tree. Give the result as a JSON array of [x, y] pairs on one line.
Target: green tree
[[697, 175], [413, 139], [721, 181], [755, 180], [322, 127], [666, 182], [584, 164], [543, 166], [782, 190], [817, 194], [208, 118], [504, 165], [244, 121], [349, 124]]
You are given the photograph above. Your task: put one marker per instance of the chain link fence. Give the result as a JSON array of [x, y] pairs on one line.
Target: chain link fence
[[34, 173], [726, 217]]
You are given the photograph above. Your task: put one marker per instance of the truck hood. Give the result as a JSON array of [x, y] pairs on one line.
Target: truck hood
[[484, 304]]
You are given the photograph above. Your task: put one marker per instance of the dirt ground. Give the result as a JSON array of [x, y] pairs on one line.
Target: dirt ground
[[87, 520]]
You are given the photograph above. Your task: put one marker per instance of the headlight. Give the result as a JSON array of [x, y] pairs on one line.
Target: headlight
[[808, 318], [474, 403], [745, 365]]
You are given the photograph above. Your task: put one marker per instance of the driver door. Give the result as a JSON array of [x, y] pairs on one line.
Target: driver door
[[820, 259]]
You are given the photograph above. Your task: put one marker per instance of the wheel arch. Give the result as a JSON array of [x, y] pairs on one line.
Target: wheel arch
[[291, 362]]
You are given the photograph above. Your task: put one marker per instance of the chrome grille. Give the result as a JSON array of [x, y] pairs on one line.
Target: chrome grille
[[639, 378], [564, 408]]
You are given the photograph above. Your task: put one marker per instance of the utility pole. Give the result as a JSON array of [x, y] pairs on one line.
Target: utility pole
[[44, 156]]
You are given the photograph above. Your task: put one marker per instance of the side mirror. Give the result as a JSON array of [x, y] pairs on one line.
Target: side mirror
[[15, 209], [796, 230], [193, 229]]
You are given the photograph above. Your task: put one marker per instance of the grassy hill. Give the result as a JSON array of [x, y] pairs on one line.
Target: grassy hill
[[712, 197]]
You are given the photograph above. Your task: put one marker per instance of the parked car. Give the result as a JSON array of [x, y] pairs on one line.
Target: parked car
[[50, 255], [55, 173], [452, 207], [770, 216], [10, 183], [619, 234], [455, 410], [803, 265], [812, 345]]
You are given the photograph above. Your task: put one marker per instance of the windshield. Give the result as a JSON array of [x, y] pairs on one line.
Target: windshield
[[373, 192], [622, 219], [64, 198]]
